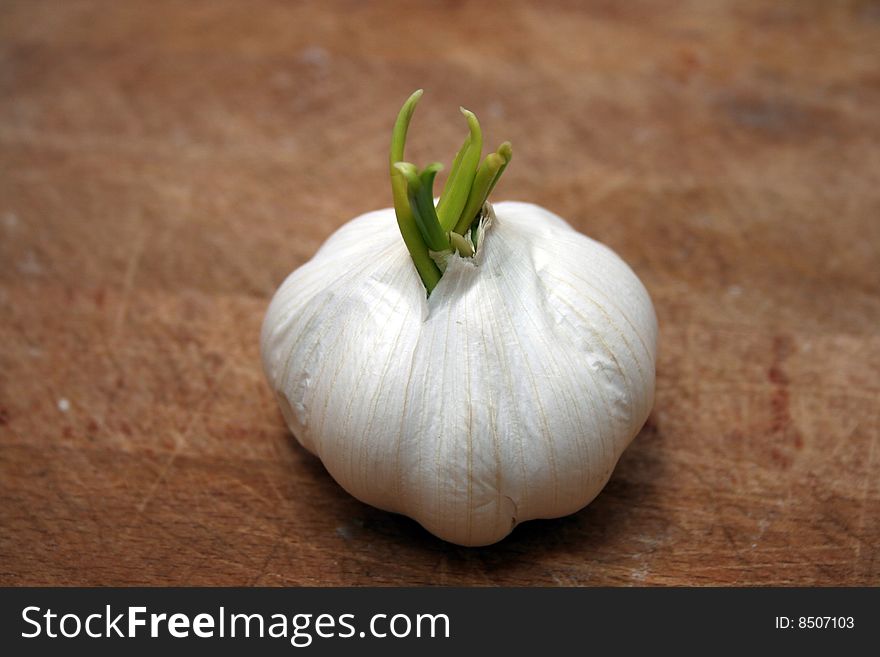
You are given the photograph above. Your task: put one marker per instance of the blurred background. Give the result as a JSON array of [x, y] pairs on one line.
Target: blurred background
[[164, 165]]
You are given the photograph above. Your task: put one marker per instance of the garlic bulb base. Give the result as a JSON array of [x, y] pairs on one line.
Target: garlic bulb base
[[506, 395]]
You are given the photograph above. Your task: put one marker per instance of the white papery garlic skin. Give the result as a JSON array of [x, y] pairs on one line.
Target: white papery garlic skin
[[509, 394]]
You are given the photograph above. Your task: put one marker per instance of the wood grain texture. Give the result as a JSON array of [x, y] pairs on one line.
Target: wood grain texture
[[164, 165]]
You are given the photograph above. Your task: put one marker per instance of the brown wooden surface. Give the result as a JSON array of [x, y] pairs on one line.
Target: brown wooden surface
[[164, 165]]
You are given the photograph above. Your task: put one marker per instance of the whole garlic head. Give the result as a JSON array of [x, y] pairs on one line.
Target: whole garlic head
[[508, 394]]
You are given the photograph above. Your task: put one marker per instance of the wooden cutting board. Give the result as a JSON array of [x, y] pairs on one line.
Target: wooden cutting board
[[164, 165]]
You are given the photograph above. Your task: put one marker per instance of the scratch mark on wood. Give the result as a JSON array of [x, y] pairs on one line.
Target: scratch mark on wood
[[128, 283], [180, 441], [263, 569]]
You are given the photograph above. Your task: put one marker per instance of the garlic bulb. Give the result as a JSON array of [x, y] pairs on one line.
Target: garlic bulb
[[507, 394]]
